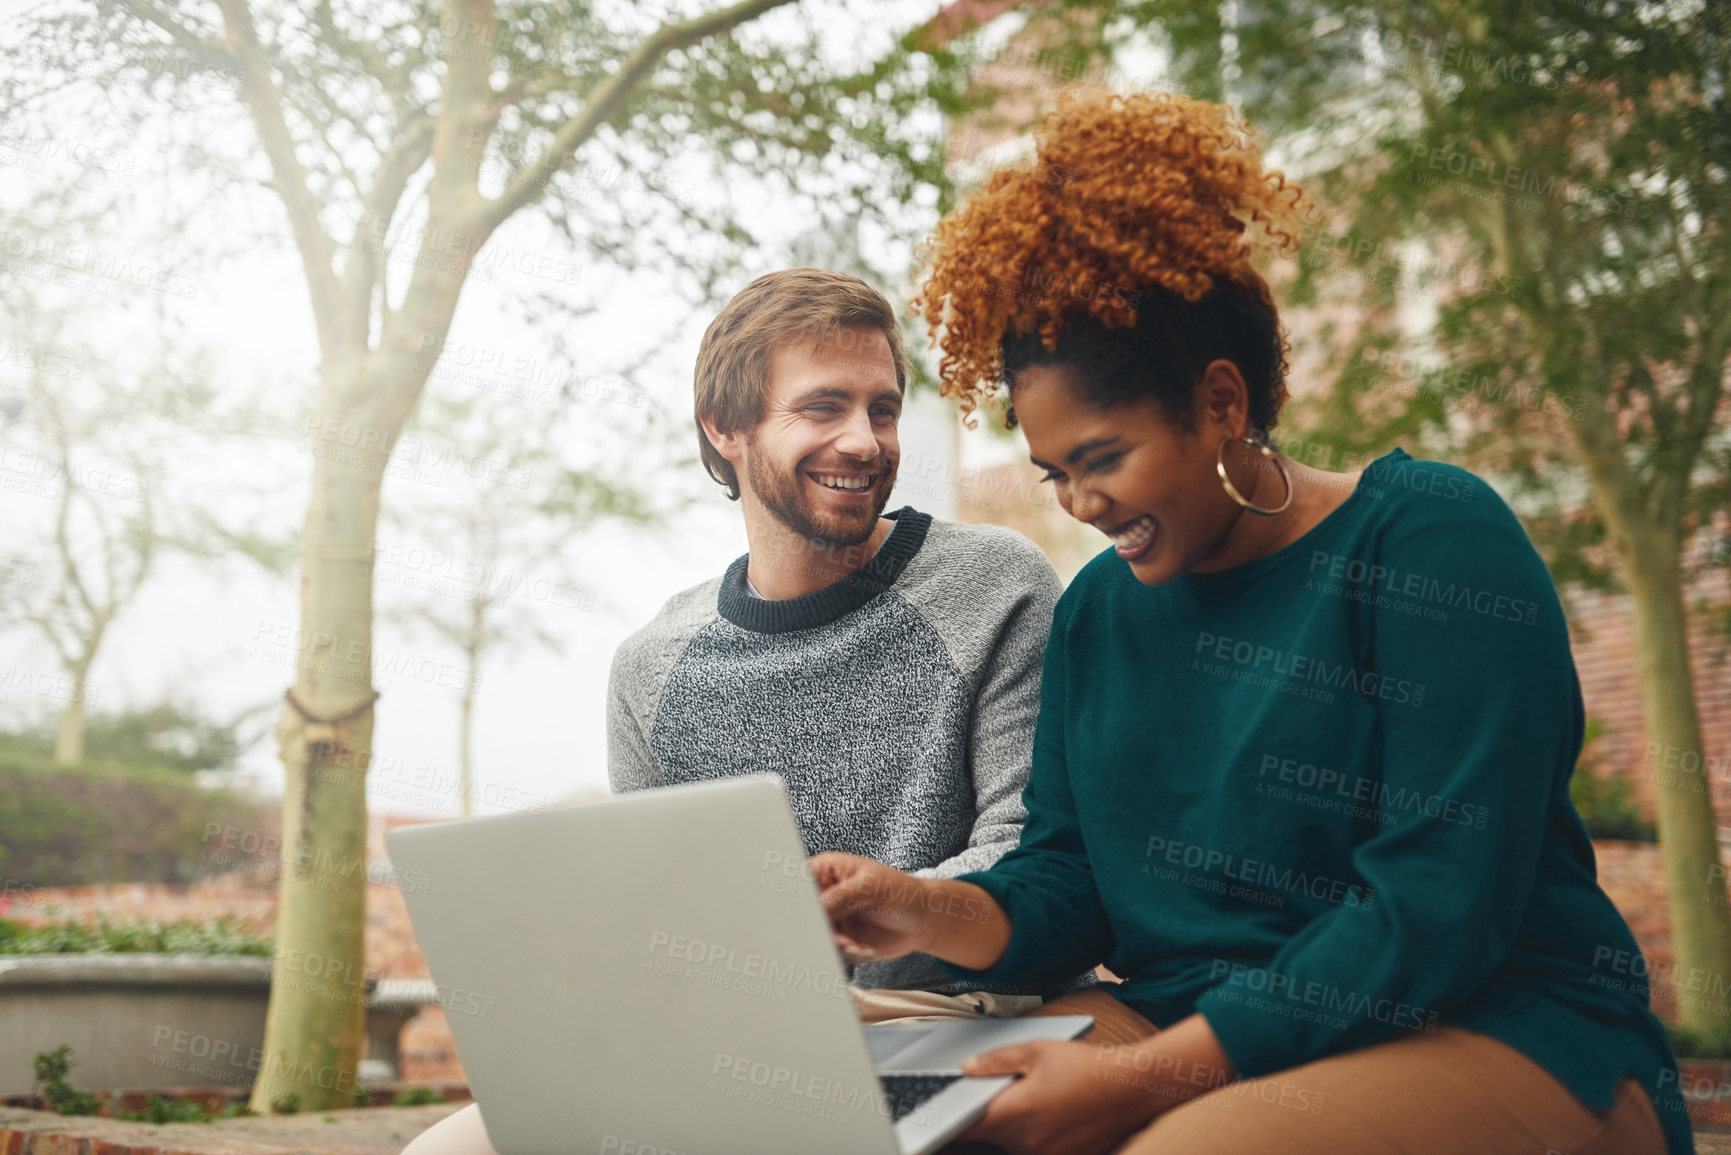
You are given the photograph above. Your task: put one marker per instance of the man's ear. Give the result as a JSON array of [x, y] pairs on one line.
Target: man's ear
[[729, 445]]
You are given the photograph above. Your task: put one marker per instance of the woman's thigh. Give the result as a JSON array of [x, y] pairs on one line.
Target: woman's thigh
[[1452, 1092], [1114, 1022]]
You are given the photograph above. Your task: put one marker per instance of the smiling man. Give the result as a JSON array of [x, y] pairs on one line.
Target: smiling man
[[886, 666]]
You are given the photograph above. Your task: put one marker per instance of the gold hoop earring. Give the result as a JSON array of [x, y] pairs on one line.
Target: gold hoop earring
[[1258, 441]]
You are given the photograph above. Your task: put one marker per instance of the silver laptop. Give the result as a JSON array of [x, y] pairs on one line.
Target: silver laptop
[[654, 973]]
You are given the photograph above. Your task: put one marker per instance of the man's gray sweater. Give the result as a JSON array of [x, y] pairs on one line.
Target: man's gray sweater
[[897, 704]]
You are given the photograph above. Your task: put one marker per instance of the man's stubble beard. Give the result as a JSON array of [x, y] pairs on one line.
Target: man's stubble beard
[[782, 494]]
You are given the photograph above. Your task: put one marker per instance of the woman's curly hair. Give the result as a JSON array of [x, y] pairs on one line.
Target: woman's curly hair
[[1134, 210]]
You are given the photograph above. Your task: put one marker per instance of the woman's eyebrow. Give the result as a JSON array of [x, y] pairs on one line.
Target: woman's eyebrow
[[1080, 451]]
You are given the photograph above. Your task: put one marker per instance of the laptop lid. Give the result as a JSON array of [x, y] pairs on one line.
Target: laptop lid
[[651, 971]]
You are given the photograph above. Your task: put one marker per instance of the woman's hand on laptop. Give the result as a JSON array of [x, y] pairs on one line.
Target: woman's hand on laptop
[[880, 912], [1071, 1099], [1080, 1098]]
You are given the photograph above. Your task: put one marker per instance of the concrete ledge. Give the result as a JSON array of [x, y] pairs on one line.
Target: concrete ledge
[[158, 970], [379, 1131], [137, 1020]]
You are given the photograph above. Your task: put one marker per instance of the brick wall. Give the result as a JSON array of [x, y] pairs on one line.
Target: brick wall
[[1601, 631]]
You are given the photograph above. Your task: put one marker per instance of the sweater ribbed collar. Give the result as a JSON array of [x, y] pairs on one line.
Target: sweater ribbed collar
[[821, 607]]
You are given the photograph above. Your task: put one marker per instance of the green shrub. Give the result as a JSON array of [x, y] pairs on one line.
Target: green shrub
[[417, 1097], [224, 936], [160, 1110], [1689, 1043], [51, 1068], [118, 823], [1605, 802], [177, 1110]]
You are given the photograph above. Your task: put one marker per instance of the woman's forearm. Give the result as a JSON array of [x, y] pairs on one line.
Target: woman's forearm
[[964, 924]]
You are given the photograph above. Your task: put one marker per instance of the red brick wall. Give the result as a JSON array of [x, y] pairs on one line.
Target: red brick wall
[[1602, 635]]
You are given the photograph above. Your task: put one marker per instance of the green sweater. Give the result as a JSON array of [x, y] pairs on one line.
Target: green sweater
[[1322, 798]]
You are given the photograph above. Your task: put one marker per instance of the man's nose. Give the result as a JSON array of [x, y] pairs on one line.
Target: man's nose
[[858, 439]]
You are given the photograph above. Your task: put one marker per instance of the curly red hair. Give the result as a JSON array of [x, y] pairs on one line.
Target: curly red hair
[[1125, 193]]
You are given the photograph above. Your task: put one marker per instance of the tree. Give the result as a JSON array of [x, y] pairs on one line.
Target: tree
[[97, 442], [399, 142]]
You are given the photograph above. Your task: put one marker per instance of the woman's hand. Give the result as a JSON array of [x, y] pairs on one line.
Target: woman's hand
[[875, 910], [1071, 1099]]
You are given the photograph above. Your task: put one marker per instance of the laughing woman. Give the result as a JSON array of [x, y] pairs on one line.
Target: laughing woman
[[1302, 761]]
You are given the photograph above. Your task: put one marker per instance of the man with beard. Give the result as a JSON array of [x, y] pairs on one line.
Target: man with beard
[[887, 667]]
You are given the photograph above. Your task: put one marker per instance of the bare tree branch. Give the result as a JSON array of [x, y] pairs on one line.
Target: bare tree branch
[[390, 179], [265, 102], [206, 52], [608, 96]]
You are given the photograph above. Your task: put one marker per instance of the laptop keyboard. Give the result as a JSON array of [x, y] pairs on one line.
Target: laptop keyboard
[[906, 1092]]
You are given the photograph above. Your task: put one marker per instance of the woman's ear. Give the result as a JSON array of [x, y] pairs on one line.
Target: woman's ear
[[1223, 399]]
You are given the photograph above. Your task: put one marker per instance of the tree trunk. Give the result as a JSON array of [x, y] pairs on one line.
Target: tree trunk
[[69, 736], [315, 1025], [1688, 839], [465, 764]]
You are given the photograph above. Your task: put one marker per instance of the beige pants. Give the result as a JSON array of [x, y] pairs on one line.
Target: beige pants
[[463, 1133], [886, 1006]]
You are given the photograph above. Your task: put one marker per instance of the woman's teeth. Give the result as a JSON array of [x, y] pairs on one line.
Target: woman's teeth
[[1133, 538], [835, 481]]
